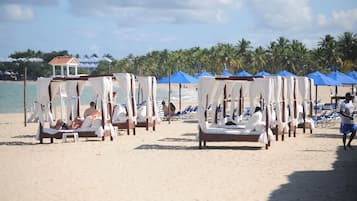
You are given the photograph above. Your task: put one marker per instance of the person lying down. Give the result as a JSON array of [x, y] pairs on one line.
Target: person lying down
[[90, 121], [254, 122], [120, 114]]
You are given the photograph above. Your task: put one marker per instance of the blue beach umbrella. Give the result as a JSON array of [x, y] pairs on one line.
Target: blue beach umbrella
[[262, 73], [178, 78], [341, 77], [285, 73], [352, 74], [226, 73], [243, 73], [322, 80], [203, 73]]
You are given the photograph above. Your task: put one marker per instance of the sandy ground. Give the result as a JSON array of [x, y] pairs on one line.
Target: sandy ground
[[167, 165]]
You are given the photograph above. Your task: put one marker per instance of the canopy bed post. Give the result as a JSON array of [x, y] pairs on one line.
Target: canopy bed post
[[50, 96], [224, 101], [78, 102], [295, 108], [310, 97], [283, 108], [153, 104], [240, 101]]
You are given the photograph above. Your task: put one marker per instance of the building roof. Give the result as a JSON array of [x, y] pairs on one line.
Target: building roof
[[64, 60]]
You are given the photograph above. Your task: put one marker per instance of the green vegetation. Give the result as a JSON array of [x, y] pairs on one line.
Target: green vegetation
[[282, 54]]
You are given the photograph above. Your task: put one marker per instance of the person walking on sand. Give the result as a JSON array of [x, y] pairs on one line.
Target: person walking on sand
[[347, 121]]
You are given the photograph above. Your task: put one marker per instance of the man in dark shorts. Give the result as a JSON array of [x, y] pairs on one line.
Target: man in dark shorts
[[347, 122]]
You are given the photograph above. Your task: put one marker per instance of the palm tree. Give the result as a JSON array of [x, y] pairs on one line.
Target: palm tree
[[346, 44], [258, 60], [328, 51]]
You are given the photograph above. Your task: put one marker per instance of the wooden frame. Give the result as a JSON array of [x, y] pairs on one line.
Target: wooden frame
[[59, 135]]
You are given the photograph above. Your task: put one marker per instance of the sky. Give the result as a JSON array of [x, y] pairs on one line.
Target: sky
[[123, 27]]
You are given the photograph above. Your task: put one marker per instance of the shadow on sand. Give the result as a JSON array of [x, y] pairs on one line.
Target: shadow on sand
[[177, 140], [330, 135], [24, 136], [337, 184], [17, 143]]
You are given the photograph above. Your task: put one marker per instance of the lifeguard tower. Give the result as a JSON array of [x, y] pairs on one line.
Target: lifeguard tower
[[64, 61]]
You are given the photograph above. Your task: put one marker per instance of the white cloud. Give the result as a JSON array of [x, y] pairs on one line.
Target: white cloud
[[30, 2], [283, 14], [346, 19], [343, 19], [141, 12], [15, 13]]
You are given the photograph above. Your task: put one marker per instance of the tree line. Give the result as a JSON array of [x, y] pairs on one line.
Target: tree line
[[332, 53]]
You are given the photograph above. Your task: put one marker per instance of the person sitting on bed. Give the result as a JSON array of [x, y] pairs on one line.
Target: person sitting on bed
[[119, 114], [166, 108], [255, 119], [91, 110]]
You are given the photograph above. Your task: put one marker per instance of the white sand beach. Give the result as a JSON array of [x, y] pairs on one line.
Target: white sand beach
[[167, 165]]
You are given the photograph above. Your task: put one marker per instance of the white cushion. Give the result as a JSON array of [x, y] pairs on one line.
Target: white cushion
[[254, 120], [96, 123], [87, 122], [142, 113], [119, 114], [260, 126]]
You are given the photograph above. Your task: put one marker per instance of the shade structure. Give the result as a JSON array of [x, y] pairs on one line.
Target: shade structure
[[243, 73], [262, 73], [352, 74], [226, 73], [285, 73], [203, 73], [341, 77], [178, 78], [322, 80]]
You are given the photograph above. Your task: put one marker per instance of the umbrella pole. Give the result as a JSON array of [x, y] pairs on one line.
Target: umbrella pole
[[316, 100], [180, 86], [169, 108], [336, 97]]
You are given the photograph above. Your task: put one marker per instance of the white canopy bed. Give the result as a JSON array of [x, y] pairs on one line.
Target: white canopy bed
[[50, 88], [216, 91]]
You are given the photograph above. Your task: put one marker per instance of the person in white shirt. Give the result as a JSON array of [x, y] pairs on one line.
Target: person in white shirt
[[347, 121]]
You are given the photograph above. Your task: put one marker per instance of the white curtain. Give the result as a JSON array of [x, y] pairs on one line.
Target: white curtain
[[145, 85], [125, 84], [71, 89], [154, 88], [43, 98], [103, 87], [206, 86]]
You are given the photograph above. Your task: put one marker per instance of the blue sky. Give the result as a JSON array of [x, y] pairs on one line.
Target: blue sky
[[121, 27]]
